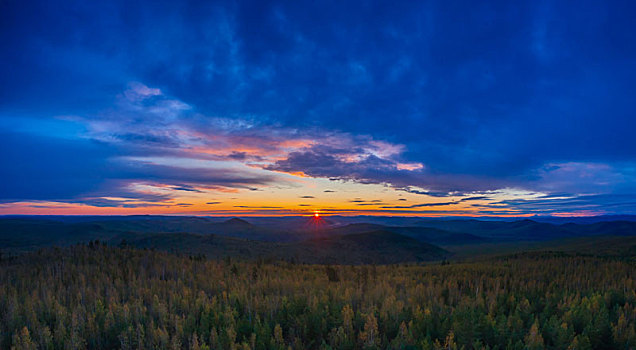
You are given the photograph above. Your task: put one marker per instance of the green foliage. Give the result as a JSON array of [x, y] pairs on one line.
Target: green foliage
[[97, 296], [332, 274]]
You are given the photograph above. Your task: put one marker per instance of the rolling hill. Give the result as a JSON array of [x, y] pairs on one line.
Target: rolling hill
[[304, 242], [607, 246], [422, 234], [28, 233], [378, 247], [529, 230]]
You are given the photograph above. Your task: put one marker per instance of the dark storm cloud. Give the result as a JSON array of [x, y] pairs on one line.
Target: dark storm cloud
[[484, 95], [325, 162]]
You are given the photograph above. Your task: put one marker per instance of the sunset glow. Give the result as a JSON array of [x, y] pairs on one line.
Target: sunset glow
[[353, 118]]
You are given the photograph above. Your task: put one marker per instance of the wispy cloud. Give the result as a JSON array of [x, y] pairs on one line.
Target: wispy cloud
[[421, 205]]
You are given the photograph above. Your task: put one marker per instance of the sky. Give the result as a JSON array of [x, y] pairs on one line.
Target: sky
[[415, 108]]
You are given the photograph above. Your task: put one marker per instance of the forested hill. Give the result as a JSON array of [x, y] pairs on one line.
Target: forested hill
[[326, 241], [366, 248], [101, 297], [376, 247], [27, 233]]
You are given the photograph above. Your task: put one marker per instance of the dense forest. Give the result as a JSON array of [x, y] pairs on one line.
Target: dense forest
[[96, 296]]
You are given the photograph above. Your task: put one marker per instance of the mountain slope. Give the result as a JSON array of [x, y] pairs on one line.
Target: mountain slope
[[529, 230], [423, 234], [28, 233], [379, 247]]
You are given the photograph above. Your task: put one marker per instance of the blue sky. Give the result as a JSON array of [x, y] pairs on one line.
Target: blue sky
[[411, 108]]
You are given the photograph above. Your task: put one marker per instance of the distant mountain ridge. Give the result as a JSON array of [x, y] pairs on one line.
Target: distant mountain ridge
[[378, 247], [529, 230], [236, 222], [305, 234], [422, 234], [381, 247]]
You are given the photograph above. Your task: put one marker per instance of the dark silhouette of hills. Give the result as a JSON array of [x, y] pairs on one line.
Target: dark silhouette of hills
[[529, 230], [378, 247], [422, 234], [307, 237], [236, 222], [212, 246], [27, 234], [63, 232]]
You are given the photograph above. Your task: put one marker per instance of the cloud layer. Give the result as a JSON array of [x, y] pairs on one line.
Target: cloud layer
[[126, 105]]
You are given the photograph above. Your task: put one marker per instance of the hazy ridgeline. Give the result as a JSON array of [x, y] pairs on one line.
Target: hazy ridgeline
[[104, 297]]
